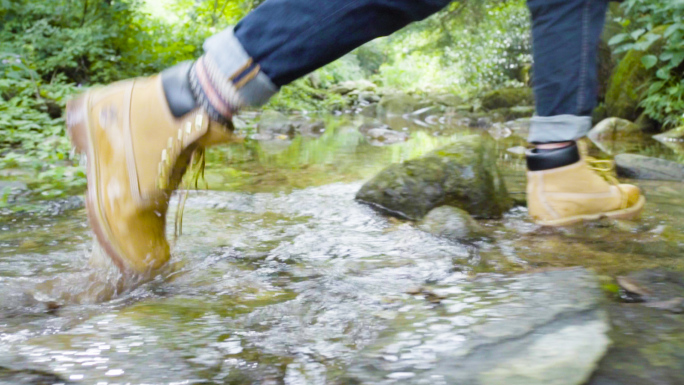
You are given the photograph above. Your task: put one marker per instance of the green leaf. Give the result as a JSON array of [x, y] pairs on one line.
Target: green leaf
[[671, 29], [666, 56], [617, 39], [655, 87], [663, 73], [649, 61], [677, 59], [635, 34]]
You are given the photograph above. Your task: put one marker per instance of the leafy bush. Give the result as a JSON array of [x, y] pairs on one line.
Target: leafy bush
[[649, 22]]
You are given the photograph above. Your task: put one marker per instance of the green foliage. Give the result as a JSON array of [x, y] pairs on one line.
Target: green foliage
[[48, 47], [466, 48], [32, 134], [51, 49], [657, 23]]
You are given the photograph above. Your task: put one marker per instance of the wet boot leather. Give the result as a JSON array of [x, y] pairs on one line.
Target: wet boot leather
[[137, 152], [562, 190]]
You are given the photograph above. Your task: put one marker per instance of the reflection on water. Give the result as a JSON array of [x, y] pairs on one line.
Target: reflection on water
[[280, 276]]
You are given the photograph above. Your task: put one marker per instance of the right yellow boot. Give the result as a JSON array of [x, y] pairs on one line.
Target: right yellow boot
[[562, 190]]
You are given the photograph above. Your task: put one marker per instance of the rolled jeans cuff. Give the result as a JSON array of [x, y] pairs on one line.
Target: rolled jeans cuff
[[253, 87], [559, 128]]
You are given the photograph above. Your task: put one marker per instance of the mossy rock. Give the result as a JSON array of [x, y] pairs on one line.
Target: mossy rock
[[507, 98], [629, 82], [599, 113], [616, 129], [513, 113], [397, 104], [463, 174]]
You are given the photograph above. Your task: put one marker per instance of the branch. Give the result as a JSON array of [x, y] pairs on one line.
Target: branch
[[85, 11]]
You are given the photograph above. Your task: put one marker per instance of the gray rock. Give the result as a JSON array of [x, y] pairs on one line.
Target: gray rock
[[463, 174], [450, 222], [275, 123], [535, 329], [644, 167]]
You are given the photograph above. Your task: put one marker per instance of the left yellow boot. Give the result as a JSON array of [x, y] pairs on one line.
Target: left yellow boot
[[562, 190], [137, 152]]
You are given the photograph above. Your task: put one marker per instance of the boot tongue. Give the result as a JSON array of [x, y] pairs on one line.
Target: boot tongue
[[540, 160], [176, 83]]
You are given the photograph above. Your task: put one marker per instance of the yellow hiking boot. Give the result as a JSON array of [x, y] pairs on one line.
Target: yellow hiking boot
[[562, 190], [137, 151]]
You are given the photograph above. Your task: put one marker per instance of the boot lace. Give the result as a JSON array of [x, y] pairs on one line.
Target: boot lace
[[198, 163], [605, 168]]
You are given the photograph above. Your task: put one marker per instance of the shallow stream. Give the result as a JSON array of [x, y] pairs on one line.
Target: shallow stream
[[280, 277]]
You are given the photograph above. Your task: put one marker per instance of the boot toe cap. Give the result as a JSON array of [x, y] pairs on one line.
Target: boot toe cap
[[632, 192]]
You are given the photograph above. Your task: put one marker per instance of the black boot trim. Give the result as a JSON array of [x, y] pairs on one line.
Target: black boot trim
[[540, 160]]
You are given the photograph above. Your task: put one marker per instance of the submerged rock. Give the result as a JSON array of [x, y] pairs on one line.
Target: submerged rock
[[381, 136], [520, 127], [275, 123], [29, 377], [446, 99], [647, 336], [482, 122], [507, 98], [644, 167], [12, 186], [353, 85], [310, 128], [463, 174], [450, 222], [673, 139], [535, 329], [615, 135]]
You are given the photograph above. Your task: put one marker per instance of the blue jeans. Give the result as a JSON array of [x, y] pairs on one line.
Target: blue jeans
[[283, 40]]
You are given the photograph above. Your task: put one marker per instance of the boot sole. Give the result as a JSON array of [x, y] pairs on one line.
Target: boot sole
[[628, 213], [78, 129]]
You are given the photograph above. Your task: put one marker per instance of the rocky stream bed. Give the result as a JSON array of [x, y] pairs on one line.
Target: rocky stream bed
[[287, 272]]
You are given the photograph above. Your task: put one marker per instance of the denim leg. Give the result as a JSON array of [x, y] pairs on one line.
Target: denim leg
[[283, 40], [565, 36]]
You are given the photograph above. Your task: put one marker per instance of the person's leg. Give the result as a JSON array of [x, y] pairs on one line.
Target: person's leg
[[565, 37], [139, 135], [561, 187], [283, 40]]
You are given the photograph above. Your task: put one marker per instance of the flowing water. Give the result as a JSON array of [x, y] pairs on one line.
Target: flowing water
[[280, 277]]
